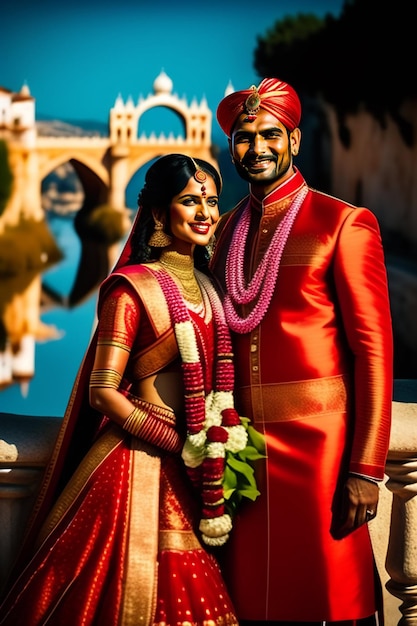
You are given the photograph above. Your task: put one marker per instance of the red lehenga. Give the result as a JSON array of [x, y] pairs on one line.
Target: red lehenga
[[119, 547]]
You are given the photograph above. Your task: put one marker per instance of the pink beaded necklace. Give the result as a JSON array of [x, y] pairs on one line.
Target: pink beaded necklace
[[261, 287]]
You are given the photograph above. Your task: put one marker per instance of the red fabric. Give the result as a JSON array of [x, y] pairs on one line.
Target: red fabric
[[84, 568], [316, 379], [276, 96], [77, 575], [76, 565]]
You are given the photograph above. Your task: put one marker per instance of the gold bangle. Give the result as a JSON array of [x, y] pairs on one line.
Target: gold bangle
[[105, 378], [134, 421]]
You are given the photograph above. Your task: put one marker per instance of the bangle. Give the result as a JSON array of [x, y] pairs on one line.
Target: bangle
[[134, 421], [150, 425], [105, 378]]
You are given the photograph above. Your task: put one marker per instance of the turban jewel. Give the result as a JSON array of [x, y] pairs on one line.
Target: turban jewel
[[273, 95]]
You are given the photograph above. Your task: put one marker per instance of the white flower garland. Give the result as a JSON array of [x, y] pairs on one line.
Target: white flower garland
[[215, 530]]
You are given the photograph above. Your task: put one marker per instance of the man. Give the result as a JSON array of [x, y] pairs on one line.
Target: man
[[306, 298]]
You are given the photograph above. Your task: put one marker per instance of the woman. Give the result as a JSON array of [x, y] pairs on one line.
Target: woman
[[118, 527]]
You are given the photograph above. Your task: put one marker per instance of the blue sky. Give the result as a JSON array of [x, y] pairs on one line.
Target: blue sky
[[77, 57]]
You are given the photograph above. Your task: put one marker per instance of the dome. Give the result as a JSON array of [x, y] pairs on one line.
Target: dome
[[162, 83], [25, 91]]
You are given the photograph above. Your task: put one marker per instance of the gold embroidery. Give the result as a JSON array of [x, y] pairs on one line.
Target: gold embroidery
[[140, 588], [295, 400], [178, 540], [152, 298], [156, 356], [97, 453]]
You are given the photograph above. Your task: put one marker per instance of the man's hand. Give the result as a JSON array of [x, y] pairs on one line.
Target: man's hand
[[359, 505]]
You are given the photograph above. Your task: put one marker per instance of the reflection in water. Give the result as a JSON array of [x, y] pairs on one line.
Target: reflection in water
[[20, 328], [43, 371]]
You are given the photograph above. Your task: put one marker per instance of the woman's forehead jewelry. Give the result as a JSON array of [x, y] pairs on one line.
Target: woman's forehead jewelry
[[200, 176]]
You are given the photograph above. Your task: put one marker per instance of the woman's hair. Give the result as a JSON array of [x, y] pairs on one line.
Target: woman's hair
[[166, 178]]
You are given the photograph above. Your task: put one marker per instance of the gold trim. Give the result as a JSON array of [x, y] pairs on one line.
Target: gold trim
[[295, 400], [96, 455], [140, 585], [178, 540], [152, 297]]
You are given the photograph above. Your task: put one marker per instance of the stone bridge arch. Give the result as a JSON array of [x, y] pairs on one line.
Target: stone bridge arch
[[49, 162], [105, 165]]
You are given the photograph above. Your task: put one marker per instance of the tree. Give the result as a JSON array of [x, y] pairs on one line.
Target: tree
[[361, 59]]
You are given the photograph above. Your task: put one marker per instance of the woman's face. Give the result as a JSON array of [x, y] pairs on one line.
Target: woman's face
[[194, 214]]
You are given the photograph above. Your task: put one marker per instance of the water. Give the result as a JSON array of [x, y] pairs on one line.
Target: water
[[56, 361]]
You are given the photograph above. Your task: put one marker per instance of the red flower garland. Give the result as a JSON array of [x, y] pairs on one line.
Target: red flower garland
[[207, 475]]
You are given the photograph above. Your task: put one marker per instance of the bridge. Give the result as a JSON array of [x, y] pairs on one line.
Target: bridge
[[104, 165]]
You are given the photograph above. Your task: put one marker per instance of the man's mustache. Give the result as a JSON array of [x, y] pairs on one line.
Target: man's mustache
[[247, 162]]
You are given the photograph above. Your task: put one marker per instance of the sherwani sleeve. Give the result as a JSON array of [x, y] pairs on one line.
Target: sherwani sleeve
[[362, 293]]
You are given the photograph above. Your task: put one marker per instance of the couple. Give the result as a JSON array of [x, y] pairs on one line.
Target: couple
[[133, 524]]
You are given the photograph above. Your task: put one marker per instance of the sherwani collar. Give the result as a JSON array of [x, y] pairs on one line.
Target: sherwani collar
[[280, 197]]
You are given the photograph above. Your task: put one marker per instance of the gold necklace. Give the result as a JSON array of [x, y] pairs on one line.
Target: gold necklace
[[182, 267]]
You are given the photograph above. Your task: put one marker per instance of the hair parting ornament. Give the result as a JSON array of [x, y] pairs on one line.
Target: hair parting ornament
[[200, 176]]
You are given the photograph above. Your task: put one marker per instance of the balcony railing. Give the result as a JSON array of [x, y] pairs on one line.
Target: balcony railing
[[26, 443]]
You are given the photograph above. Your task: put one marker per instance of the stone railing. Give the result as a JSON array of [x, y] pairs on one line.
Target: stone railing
[[26, 443], [394, 530]]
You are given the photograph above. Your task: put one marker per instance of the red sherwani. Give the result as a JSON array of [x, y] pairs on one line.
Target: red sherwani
[[316, 378]]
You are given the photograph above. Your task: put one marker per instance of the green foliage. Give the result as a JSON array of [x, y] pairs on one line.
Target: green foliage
[[239, 477], [101, 224], [6, 176], [350, 60], [290, 30], [28, 247]]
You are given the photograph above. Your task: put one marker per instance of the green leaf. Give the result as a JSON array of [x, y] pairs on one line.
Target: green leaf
[[239, 466], [252, 494], [239, 476], [257, 439], [230, 478], [228, 493], [250, 453]]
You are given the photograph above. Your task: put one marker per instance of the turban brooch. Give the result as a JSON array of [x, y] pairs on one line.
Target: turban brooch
[[273, 95]]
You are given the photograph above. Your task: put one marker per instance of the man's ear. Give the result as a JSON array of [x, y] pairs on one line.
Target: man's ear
[[295, 141]]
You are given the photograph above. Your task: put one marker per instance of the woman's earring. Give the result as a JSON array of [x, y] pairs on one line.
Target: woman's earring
[[159, 239], [211, 245]]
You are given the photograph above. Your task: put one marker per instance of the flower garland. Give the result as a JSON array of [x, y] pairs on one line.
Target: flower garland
[[214, 428], [262, 284]]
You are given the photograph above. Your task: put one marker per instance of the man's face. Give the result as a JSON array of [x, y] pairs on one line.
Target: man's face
[[262, 150]]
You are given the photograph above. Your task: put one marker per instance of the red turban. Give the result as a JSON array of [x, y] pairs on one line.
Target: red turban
[[273, 95]]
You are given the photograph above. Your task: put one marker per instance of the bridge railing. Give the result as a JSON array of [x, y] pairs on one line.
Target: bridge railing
[[26, 443]]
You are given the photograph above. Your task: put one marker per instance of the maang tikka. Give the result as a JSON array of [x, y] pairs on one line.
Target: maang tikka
[[200, 176]]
